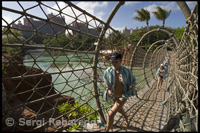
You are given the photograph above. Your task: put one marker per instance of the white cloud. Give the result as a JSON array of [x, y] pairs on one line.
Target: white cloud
[[92, 5], [151, 8], [131, 3], [119, 28], [89, 7], [173, 6], [7, 19], [100, 15]]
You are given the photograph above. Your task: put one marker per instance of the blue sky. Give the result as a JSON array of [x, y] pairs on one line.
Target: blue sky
[[102, 9]]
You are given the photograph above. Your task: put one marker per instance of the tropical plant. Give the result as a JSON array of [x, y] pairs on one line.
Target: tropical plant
[[7, 31], [3, 71], [11, 36], [77, 113], [179, 33], [161, 14], [74, 127], [115, 38], [143, 15]]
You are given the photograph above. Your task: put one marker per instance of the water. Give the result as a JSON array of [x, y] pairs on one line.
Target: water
[[71, 77]]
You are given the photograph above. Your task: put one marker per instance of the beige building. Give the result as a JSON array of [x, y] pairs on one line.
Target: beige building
[[128, 31]]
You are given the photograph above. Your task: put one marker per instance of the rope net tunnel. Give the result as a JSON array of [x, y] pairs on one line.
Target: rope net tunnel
[[53, 66]]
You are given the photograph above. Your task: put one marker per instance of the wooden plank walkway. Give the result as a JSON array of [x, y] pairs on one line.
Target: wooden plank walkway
[[145, 115]]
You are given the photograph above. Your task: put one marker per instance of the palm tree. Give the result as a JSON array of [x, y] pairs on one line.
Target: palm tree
[[143, 15], [161, 14]]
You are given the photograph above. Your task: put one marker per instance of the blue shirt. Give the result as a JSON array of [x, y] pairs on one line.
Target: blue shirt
[[128, 79]]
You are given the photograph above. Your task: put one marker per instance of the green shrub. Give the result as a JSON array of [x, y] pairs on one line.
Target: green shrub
[[74, 127], [3, 71], [79, 112]]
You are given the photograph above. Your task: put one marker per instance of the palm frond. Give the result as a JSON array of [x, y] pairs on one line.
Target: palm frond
[[140, 16], [157, 15], [161, 13], [168, 13], [146, 13]]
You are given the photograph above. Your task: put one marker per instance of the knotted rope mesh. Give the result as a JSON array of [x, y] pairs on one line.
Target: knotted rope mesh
[[183, 100], [44, 76]]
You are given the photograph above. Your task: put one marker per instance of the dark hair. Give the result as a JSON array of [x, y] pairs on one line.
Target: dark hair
[[116, 56]]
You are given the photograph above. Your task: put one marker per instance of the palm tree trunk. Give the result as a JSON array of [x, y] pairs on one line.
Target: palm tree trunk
[[163, 23], [185, 9], [148, 30]]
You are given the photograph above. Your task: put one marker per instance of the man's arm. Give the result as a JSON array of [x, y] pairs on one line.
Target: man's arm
[[109, 91], [108, 85]]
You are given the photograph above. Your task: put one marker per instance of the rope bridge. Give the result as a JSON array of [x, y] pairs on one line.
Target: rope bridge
[[59, 80]]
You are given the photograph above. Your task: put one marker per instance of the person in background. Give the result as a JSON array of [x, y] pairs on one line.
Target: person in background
[[120, 84], [161, 75], [167, 63]]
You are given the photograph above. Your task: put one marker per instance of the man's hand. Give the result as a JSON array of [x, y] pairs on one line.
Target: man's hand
[[131, 87], [110, 93]]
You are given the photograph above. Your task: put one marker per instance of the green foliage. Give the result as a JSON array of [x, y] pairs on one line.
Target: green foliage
[[143, 15], [74, 127], [31, 42], [10, 36], [7, 31], [82, 42], [72, 42], [3, 71], [65, 107], [137, 35], [36, 40], [10, 40], [10, 50], [58, 41], [179, 33], [115, 38], [77, 113]]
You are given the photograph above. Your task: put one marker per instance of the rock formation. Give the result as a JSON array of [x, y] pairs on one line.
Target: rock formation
[[24, 84]]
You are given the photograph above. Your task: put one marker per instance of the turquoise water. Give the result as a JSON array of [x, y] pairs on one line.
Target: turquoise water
[[70, 76]]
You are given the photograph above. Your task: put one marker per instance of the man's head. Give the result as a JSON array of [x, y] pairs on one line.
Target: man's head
[[116, 59]]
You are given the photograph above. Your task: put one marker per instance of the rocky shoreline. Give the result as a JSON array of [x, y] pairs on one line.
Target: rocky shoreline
[[29, 97]]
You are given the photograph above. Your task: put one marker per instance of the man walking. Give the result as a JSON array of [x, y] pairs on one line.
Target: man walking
[[120, 84]]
